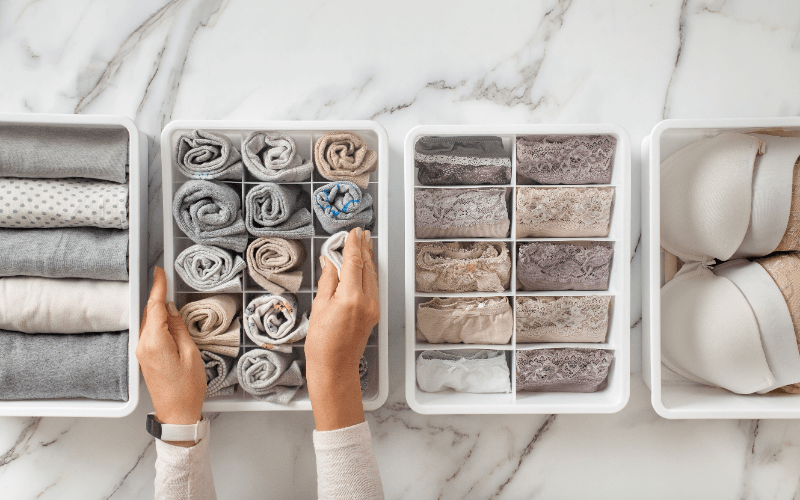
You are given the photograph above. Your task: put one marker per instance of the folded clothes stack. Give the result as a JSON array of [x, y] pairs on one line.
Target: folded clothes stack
[[64, 293]]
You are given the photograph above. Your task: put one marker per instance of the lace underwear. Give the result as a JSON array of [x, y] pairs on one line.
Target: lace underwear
[[272, 157], [563, 370], [461, 213], [791, 238], [566, 159], [475, 371], [564, 266], [483, 320], [562, 319], [784, 269], [274, 322], [563, 212], [462, 267], [465, 160]]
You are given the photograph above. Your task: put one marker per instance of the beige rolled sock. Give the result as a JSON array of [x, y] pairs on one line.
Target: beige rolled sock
[[274, 264], [213, 325], [344, 156]]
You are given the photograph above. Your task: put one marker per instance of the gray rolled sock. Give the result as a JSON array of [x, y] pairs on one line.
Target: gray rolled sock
[[85, 252], [274, 377], [210, 269], [56, 152], [342, 206], [203, 155], [59, 366], [221, 378], [278, 210], [210, 213], [272, 157]]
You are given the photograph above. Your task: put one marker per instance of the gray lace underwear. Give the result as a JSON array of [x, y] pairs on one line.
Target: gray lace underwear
[[563, 370], [564, 266], [462, 160], [461, 213], [566, 159]]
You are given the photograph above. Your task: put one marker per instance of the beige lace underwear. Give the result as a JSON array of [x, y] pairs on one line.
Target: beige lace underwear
[[791, 238], [785, 271], [563, 212], [462, 267], [482, 320], [461, 213], [562, 319]]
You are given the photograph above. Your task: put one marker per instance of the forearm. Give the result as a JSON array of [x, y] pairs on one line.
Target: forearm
[[184, 473], [346, 466], [336, 400]]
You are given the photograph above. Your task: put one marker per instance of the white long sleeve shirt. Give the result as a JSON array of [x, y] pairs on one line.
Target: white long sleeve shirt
[[346, 467]]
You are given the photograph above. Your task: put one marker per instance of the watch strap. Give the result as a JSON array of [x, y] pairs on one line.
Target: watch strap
[[173, 432]]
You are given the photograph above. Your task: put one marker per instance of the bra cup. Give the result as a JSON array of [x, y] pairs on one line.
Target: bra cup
[[709, 333], [706, 197]]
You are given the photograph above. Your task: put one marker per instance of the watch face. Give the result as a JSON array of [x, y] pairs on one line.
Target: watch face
[[153, 426]]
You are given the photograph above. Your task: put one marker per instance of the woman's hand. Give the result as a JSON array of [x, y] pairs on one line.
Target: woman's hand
[[343, 314], [170, 360]]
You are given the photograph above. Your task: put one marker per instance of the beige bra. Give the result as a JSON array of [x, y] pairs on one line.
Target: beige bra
[[481, 320], [562, 319], [563, 212]]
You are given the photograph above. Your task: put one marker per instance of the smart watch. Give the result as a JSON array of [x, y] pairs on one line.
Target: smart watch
[[171, 432]]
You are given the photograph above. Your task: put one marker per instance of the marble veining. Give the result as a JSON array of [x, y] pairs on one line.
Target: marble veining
[[402, 64]]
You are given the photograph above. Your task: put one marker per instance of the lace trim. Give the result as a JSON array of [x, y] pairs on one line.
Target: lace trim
[[566, 159], [791, 238], [463, 160], [466, 306], [446, 208], [569, 369], [567, 211], [562, 319], [462, 267], [564, 266]]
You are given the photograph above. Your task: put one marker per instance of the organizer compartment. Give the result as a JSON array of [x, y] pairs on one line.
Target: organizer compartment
[[611, 399], [305, 134]]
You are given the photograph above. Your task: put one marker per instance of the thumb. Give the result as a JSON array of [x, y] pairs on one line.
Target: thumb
[[179, 332]]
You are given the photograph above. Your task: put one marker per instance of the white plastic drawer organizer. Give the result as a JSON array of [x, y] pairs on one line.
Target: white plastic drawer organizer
[[137, 267], [610, 399], [305, 134], [673, 396]]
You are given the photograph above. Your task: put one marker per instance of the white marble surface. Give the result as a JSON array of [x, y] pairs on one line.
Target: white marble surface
[[403, 64]]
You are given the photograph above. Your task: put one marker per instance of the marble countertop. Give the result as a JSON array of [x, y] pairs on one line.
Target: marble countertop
[[402, 64]]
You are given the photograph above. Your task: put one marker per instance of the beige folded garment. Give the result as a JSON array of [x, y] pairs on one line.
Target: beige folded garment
[[481, 320], [46, 305], [212, 323], [274, 263]]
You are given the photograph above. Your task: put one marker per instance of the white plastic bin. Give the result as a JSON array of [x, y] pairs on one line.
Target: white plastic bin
[[305, 134], [609, 400], [673, 396], [137, 269]]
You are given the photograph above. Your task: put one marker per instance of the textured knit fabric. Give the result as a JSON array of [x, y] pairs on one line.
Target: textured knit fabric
[[481, 320], [275, 321], [213, 325], [272, 157], [48, 203], [46, 305], [184, 473], [344, 156], [564, 212], [205, 155], [462, 267], [210, 269], [220, 374], [332, 250], [562, 370], [465, 160], [363, 373], [461, 213], [85, 252], [346, 466], [56, 152], [564, 266], [566, 159], [468, 370], [210, 213], [278, 210], [56, 366], [274, 263], [270, 376], [563, 319], [343, 206]]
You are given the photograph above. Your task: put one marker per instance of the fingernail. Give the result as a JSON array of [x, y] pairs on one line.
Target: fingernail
[[322, 262], [368, 237], [358, 232], [173, 311]]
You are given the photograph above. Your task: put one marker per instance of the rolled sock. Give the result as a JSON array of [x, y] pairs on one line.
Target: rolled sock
[[270, 376], [344, 156], [45, 305], [278, 210], [332, 249], [57, 152], [221, 376], [213, 325], [210, 269], [363, 373], [272, 157], [205, 155], [48, 203], [342, 206], [56, 366], [210, 214], [274, 321], [85, 252], [274, 263]]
